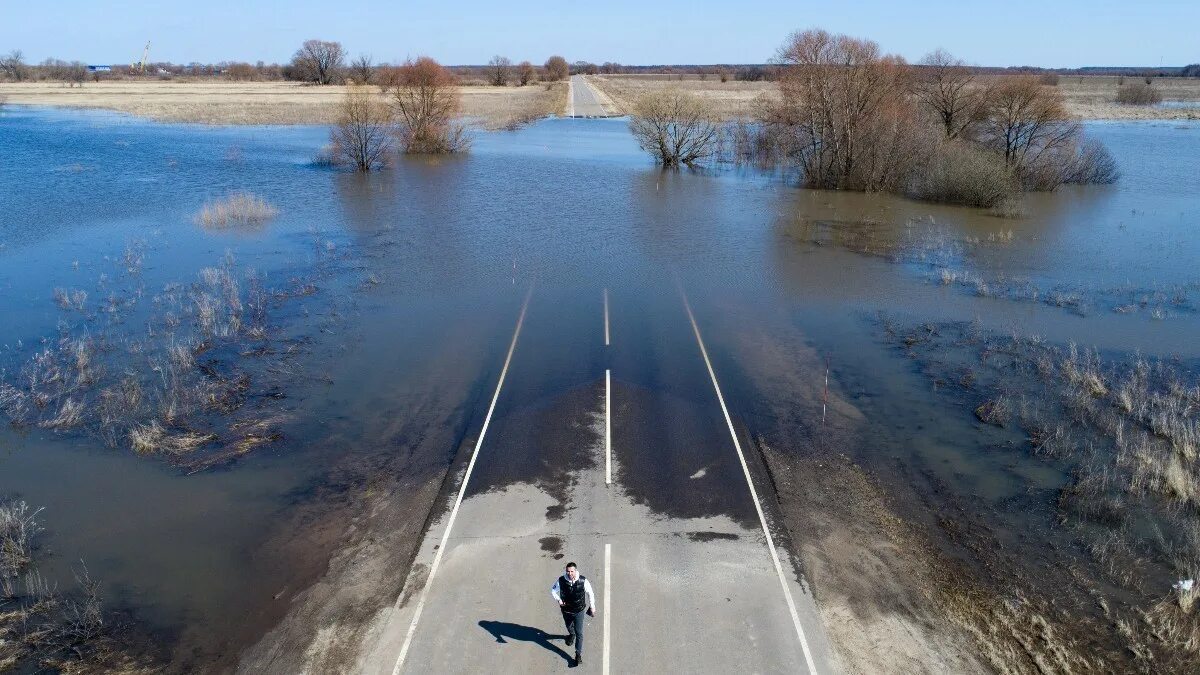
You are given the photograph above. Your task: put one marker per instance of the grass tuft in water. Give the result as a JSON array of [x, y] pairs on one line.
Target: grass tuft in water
[[239, 208]]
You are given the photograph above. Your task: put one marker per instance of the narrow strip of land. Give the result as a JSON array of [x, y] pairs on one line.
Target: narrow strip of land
[[618, 458], [586, 101]]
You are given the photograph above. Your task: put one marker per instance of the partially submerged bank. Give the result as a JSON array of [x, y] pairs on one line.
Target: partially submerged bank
[[251, 103], [914, 574]]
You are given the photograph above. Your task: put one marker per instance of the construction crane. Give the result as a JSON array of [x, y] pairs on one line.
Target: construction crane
[[141, 67]]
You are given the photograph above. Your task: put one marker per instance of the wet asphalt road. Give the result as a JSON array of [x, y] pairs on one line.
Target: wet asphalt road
[[675, 540]]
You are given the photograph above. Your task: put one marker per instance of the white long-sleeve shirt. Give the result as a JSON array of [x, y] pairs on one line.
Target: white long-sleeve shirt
[[587, 590]]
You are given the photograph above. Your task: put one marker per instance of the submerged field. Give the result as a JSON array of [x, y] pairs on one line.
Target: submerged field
[[269, 102], [240, 425]]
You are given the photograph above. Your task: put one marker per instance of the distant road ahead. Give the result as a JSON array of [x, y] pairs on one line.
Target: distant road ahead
[[585, 101]]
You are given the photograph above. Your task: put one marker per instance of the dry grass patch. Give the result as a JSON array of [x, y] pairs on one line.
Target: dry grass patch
[[240, 208], [728, 100], [208, 102]]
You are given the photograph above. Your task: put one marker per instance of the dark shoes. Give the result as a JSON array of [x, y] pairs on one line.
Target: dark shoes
[[578, 659], [570, 639]]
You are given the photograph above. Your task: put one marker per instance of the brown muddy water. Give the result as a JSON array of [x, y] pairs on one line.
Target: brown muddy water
[[380, 307]]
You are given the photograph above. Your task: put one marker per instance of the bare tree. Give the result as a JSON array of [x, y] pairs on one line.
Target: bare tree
[[499, 70], [947, 88], [584, 68], [557, 68], [362, 70], [241, 72], [1138, 93], [319, 61], [1029, 125], [526, 73], [676, 127], [13, 66], [425, 100], [363, 135], [844, 110]]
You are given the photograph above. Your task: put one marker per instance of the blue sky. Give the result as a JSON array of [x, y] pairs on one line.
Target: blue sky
[[1017, 32]]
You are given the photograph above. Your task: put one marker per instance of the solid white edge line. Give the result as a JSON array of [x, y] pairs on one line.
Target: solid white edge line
[[762, 519], [437, 558], [606, 340], [607, 602], [607, 427]]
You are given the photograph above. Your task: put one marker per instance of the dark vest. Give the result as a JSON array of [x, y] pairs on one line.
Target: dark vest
[[572, 594]]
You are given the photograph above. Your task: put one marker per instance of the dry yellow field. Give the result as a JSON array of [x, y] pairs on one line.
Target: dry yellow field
[[207, 102], [268, 102], [1090, 97], [730, 99], [1093, 98]]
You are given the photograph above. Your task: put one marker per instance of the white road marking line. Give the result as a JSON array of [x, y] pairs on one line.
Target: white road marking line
[[762, 519], [606, 341], [437, 558], [607, 427], [570, 97], [607, 602]]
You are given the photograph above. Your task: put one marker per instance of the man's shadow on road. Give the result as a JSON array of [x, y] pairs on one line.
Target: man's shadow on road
[[504, 631]]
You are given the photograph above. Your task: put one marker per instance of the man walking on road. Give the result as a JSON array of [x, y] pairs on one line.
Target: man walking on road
[[574, 595]]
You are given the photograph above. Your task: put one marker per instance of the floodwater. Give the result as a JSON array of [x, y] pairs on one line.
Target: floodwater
[[416, 275]]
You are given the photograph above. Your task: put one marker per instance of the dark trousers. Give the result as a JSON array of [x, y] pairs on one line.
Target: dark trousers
[[574, 621]]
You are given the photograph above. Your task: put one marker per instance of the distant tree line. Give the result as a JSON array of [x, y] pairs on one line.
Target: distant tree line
[[328, 62], [320, 62]]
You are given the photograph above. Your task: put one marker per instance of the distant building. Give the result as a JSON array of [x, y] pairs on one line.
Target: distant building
[[99, 69]]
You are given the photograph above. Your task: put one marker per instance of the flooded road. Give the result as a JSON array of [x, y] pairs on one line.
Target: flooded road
[[392, 301]]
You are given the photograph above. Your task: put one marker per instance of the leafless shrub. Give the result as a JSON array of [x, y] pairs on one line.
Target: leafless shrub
[[82, 616], [961, 174], [526, 73], [1048, 79], [18, 527], [425, 101], [499, 71], [676, 127], [319, 62], [362, 137], [1090, 164], [844, 113], [362, 70], [556, 69], [947, 88], [239, 208], [241, 72], [12, 66], [1138, 93], [1030, 127]]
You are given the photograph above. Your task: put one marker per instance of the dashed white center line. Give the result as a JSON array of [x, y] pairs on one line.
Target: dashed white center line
[[762, 519], [607, 427], [607, 603], [437, 558], [606, 341]]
